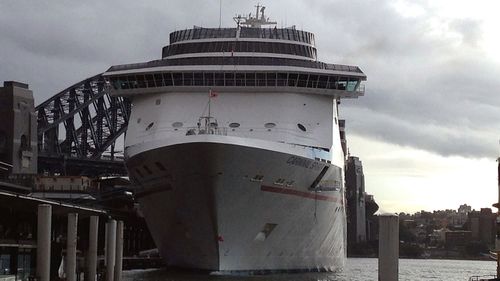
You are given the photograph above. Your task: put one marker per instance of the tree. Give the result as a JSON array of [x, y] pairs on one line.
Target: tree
[[405, 234]]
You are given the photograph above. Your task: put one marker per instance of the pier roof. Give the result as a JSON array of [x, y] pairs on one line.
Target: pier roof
[[21, 201]]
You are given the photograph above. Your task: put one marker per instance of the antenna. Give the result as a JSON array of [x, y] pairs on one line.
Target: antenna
[[220, 13], [497, 237]]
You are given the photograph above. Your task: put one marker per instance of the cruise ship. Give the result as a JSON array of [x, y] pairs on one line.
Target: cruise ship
[[234, 145]]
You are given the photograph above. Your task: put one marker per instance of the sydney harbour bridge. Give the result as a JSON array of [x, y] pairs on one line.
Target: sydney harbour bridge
[[80, 130]]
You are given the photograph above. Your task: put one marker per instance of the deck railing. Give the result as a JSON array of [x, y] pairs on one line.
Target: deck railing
[[483, 278], [209, 130]]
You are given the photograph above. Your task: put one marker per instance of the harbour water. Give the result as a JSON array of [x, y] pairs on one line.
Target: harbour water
[[357, 269]]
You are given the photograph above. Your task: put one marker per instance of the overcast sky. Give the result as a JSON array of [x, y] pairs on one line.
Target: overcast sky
[[427, 129]]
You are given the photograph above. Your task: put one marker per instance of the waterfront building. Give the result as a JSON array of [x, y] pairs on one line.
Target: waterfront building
[[464, 209], [371, 207], [459, 218], [63, 188], [343, 138], [457, 239], [482, 226], [355, 188], [18, 131], [437, 237]]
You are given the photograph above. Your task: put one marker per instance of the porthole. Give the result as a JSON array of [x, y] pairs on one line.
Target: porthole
[[158, 101], [138, 120], [177, 124], [150, 126], [270, 125], [302, 127], [234, 125]]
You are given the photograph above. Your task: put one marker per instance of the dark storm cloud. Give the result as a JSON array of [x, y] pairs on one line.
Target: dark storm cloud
[[53, 44], [427, 90]]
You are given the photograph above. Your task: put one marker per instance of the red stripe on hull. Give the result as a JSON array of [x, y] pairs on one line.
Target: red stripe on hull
[[310, 195]]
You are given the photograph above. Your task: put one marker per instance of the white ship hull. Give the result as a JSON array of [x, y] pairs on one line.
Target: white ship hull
[[235, 143], [223, 203]]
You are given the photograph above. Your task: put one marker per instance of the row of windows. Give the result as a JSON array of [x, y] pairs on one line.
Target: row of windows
[[277, 33], [238, 61], [244, 79], [202, 33], [245, 32], [269, 125], [240, 46]]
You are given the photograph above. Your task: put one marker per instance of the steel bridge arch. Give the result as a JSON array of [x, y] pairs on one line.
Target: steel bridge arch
[[79, 126]]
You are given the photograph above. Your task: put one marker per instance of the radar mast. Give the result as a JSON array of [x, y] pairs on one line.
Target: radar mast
[[254, 21]]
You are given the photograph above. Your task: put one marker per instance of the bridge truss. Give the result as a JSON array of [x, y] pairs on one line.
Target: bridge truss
[[78, 130]]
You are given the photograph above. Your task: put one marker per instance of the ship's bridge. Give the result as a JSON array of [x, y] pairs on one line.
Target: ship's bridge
[[241, 74]]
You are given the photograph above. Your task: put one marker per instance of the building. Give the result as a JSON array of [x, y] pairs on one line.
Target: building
[[457, 239], [371, 207], [482, 226], [355, 188], [18, 131], [464, 209], [343, 138]]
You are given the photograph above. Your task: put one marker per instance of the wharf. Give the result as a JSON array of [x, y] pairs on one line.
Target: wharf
[[18, 234], [80, 179]]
